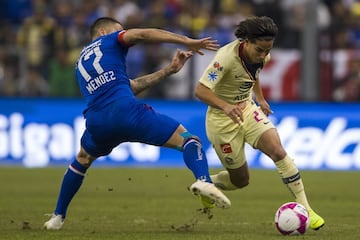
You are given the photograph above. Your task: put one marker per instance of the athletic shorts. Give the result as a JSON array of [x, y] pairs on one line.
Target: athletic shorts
[[229, 138], [125, 121]]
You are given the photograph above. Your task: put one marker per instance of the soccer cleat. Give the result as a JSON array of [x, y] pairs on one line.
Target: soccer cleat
[[316, 222], [209, 194], [207, 202], [54, 223]]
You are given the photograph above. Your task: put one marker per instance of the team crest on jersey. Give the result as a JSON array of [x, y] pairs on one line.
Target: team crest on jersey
[[217, 66], [212, 76], [225, 148]]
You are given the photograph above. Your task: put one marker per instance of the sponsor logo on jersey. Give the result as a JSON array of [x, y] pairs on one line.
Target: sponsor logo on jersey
[[226, 148]]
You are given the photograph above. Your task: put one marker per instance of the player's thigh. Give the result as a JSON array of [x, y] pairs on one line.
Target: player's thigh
[[256, 124], [157, 129], [229, 148]]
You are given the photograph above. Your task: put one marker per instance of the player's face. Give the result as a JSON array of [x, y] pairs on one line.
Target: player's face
[[256, 51]]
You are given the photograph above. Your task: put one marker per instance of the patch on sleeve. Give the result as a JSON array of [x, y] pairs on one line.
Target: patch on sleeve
[[218, 66], [212, 76]]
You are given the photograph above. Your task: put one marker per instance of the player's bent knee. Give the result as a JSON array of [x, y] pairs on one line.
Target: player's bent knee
[[84, 158], [190, 137], [278, 154], [187, 136]]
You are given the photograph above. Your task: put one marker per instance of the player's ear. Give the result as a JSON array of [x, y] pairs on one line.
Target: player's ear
[[102, 31]]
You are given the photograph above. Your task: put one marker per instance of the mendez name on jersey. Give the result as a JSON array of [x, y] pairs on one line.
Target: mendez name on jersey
[[102, 77], [101, 70]]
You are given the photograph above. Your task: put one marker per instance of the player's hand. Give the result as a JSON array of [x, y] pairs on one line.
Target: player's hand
[[234, 112], [265, 108], [207, 43], [179, 60]]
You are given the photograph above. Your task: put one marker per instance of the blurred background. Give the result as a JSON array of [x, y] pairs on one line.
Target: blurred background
[[312, 80], [316, 55]]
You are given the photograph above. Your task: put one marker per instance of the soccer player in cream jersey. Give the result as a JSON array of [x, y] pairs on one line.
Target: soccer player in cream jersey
[[234, 118], [114, 115]]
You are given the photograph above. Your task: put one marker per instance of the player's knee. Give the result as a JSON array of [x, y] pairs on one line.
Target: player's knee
[[84, 158], [278, 154], [188, 137]]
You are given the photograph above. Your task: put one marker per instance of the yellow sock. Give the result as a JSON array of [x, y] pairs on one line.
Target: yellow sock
[[291, 177], [222, 181]]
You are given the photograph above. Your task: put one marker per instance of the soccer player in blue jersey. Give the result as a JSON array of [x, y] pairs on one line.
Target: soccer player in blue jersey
[[113, 114]]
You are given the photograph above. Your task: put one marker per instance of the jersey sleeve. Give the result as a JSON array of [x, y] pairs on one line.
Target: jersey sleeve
[[214, 72], [120, 38]]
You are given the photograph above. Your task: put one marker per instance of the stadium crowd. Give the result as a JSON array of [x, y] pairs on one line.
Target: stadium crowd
[[40, 39]]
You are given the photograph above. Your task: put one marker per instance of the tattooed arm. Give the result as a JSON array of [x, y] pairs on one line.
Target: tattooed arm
[[178, 61]]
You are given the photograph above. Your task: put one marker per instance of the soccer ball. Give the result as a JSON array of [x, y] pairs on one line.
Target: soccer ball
[[292, 218]]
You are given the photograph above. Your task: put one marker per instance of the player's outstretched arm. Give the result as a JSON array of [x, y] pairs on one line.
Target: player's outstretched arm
[[178, 61], [133, 36]]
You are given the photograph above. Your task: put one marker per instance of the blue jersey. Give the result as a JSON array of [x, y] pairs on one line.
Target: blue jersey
[[101, 70], [113, 114]]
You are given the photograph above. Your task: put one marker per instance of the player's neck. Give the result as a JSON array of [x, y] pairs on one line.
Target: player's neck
[[242, 53]]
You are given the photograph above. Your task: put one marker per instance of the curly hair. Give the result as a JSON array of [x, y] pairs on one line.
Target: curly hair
[[256, 28]]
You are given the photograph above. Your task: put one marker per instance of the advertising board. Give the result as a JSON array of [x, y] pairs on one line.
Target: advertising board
[[46, 132]]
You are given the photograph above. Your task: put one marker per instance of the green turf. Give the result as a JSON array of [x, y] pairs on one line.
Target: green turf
[[136, 203]]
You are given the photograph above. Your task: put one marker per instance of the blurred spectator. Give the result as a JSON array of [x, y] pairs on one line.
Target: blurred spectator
[[33, 85], [294, 19], [8, 82], [62, 81], [42, 26], [339, 28], [355, 23], [348, 88], [15, 10], [36, 38], [126, 12]]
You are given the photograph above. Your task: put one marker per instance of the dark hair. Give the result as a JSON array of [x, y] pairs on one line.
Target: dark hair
[[256, 28], [101, 22]]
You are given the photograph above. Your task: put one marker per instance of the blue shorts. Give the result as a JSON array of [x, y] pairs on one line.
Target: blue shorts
[[124, 121]]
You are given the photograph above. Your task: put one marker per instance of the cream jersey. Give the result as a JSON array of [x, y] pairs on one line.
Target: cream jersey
[[229, 77], [232, 80]]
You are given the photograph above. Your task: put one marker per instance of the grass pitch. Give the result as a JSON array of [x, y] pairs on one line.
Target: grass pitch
[[137, 203]]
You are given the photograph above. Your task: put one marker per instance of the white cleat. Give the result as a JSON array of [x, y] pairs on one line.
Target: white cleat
[[54, 223], [209, 190]]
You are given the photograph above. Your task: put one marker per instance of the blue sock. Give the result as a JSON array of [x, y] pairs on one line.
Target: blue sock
[[71, 183], [195, 159]]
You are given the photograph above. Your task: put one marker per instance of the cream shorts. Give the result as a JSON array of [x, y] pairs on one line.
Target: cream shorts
[[229, 138]]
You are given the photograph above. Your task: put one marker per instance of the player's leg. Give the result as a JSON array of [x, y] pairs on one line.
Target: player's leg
[[195, 159], [74, 177], [269, 143], [71, 183], [232, 179], [229, 147], [193, 153]]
